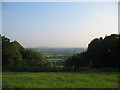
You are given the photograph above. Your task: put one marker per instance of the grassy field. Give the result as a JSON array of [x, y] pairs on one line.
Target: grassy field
[[59, 80]]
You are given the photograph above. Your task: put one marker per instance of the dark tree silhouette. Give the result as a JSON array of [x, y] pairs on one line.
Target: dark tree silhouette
[[99, 54]]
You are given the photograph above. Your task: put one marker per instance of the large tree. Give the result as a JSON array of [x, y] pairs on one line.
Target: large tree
[[11, 54], [99, 54]]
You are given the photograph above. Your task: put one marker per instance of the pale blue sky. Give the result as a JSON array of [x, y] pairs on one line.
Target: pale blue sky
[[57, 24]]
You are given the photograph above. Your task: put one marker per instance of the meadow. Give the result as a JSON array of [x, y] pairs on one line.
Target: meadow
[[60, 80], [54, 59]]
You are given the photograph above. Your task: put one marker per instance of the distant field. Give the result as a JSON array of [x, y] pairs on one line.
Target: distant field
[[59, 80], [54, 59], [59, 53]]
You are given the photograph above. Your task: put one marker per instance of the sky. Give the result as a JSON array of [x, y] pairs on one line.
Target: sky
[[58, 24]]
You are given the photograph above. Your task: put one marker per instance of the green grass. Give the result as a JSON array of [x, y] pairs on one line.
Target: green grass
[[59, 80]]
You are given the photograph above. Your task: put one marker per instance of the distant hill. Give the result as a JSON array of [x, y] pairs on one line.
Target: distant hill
[[59, 49]]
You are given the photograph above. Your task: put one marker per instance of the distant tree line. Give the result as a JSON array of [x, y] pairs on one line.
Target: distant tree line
[[13, 54], [101, 53]]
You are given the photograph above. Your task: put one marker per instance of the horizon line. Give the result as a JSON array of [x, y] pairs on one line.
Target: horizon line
[[54, 47]]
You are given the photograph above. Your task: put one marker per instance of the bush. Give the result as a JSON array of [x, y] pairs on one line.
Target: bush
[[82, 69], [68, 69], [31, 69], [109, 69]]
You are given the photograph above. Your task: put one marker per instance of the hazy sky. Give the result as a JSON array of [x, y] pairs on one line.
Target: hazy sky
[[57, 24]]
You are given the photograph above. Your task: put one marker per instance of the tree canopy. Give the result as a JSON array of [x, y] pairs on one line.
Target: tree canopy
[[99, 54], [14, 54]]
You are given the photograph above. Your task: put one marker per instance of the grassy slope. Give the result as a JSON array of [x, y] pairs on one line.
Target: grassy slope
[[60, 80]]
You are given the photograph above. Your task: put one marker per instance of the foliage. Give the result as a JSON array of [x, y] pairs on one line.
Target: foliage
[[33, 57], [32, 69], [100, 53], [13, 54]]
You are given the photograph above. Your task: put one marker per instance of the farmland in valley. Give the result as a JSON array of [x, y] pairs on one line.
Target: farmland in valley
[[58, 55]]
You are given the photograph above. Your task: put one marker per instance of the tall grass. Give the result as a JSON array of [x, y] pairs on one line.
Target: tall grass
[[60, 80]]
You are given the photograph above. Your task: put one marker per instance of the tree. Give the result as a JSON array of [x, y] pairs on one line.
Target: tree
[[11, 52], [99, 54], [33, 57], [78, 60], [104, 52]]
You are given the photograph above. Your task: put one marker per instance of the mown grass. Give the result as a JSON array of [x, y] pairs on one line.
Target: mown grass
[[59, 80]]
